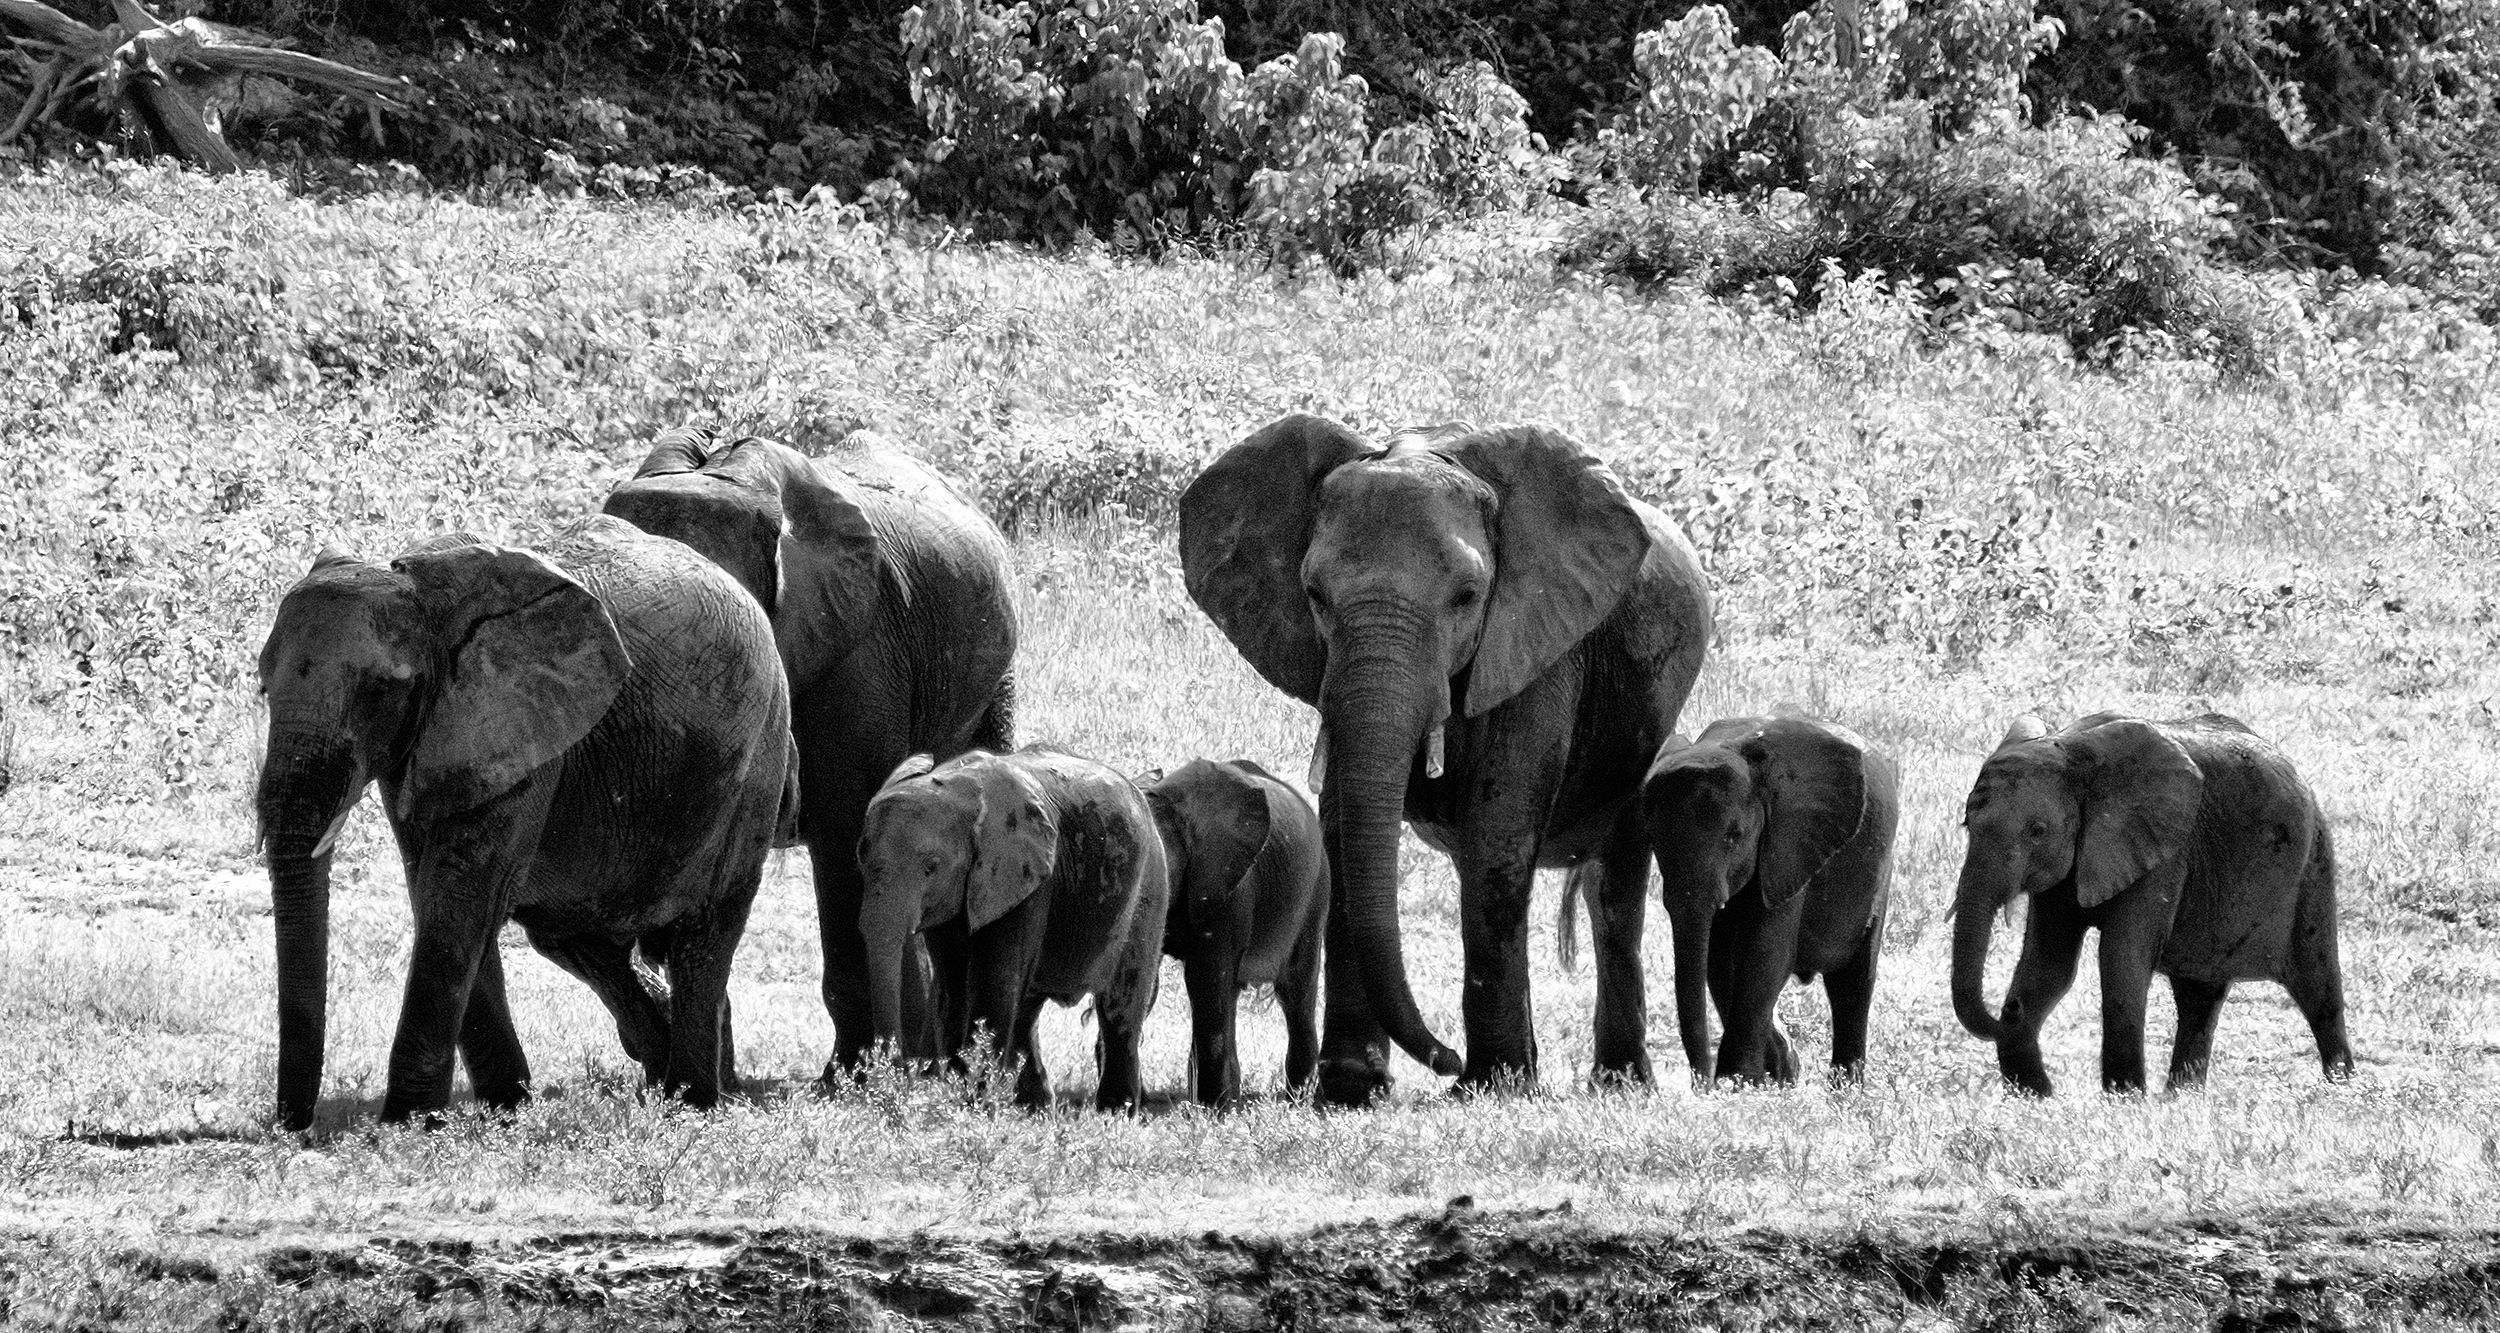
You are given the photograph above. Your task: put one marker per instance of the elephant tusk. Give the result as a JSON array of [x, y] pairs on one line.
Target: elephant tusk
[[330, 835], [1317, 778], [1432, 754]]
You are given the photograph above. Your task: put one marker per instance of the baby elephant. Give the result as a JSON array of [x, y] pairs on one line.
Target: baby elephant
[[1249, 894], [1774, 844], [2191, 846], [1035, 875]]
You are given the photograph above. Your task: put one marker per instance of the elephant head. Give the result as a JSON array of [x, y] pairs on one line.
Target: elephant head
[[2098, 805], [789, 531], [1214, 819], [1394, 589], [1756, 803], [449, 676], [970, 838]]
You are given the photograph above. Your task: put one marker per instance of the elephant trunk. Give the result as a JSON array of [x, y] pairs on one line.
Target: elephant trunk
[[1374, 723], [885, 989], [1692, 987], [307, 786], [300, 900], [1975, 900]]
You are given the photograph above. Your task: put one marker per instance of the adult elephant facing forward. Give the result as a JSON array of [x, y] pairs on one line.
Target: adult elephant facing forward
[[891, 598], [1497, 638]]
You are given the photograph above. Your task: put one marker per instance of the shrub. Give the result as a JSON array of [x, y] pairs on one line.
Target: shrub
[[2289, 110], [1124, 119], [2059, 227]]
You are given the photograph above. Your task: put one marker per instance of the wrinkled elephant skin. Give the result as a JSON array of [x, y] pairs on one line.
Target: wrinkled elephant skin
[[513, 704]]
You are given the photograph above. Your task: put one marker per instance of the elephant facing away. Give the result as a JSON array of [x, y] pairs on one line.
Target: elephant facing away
[[543, 758], [1249, 900], [1497, 639], [1034, 876], [892, 599], [2191, 846], [1773, 837]]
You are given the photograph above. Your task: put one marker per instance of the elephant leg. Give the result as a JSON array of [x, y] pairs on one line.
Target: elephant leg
[[1617, 904], [997, 961], [499, 1072], [1297, 994], [1761, 947], [2052, 949], [607, 967], [461, 887], [851, 744], [1850, 988], [1024, 1055], [2127, 950], [950, 1018], [699, 1062], [2315, 976], [2200, 1010], [996, 731], [1493, 932], [1120, 1031], [1214, 995]]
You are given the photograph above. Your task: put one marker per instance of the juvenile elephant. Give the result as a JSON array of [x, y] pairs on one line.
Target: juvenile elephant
[[892, 600], [1035, 875], [2191, 846], [1249, 897], [542, 757], [1774, 844], [1497, 639]]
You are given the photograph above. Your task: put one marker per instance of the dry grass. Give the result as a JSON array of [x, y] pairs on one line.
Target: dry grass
[[2159, 516]]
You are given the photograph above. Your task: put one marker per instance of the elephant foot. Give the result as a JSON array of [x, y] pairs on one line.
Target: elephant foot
[[505, 1100], [1628, 1077], [1352, 1083], [1506, 1081]]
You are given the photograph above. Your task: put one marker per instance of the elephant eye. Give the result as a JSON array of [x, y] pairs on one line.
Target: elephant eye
[[1318, 598], [1464, 597], [2036, 828]]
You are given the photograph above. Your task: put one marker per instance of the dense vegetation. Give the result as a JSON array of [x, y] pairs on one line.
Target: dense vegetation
[[2074, 165]]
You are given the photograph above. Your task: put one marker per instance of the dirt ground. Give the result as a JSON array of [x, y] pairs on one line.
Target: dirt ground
[[1461, 1268]]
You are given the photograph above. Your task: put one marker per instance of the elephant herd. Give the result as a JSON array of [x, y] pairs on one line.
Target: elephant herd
[[601, 740]]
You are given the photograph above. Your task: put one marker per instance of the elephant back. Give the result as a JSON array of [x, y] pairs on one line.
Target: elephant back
[[1111, 878], [2257, 823]]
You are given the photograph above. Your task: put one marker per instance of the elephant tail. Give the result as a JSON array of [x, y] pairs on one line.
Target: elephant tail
[[1567, 917]]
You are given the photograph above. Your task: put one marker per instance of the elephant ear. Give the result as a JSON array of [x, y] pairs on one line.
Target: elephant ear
[[1813, 781], [1015, 844], [912, 766], [832, 563], [2140, 794], [1245, 524], [1567, 543], [1225, 819], [534, 661], [2028, 727], [679, 449]]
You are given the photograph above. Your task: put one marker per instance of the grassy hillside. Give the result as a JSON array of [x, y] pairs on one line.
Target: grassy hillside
[[209, 379]]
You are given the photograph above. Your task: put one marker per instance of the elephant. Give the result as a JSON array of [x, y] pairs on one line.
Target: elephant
[[591, 739], [1497, 639], [2195, 850], [892, 599], [1773, 837], [1034, 875], [1249, 899]]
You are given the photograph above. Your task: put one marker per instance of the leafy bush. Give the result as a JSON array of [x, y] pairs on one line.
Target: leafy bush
[[2290, 110], [1125, 119], [1895, 145]]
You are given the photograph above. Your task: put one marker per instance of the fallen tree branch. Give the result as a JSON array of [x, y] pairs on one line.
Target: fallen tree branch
[[166, 82]]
